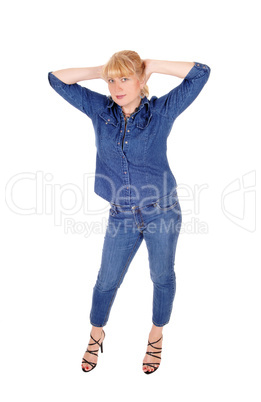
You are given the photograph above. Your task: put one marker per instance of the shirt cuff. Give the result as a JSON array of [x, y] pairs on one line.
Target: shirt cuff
[[198, 70], [54, 81]]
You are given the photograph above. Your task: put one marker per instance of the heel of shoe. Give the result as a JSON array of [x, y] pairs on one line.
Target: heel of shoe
[[102, 342], [93, 352], [154, 366]]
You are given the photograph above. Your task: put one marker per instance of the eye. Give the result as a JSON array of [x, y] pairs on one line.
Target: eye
[[110, 80], [124, 79]]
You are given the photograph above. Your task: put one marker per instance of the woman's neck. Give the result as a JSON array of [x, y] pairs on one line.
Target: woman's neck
[[129, 110]]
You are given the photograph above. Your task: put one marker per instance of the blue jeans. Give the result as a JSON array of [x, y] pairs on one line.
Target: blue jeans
[[159, 224]]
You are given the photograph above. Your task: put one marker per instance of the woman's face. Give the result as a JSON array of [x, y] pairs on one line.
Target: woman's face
[[125, 91]]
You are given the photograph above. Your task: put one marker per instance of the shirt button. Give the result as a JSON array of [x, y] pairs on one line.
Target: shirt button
[[108, 119], [126, 142], [121, 131], [125, 172], [118, 143], [128, 131]]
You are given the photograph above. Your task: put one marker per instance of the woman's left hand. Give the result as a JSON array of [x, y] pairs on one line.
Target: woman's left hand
[[148, 69]]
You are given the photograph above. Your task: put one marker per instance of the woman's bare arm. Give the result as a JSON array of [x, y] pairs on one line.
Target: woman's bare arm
[[177, 68], [73, 75]]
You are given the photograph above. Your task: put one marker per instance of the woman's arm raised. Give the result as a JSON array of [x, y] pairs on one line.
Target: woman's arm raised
[[73, 75], [65, 83], [177, 68], [194, 75]]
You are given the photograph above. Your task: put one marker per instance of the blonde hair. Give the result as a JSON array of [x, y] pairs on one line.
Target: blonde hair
[[124, 64]]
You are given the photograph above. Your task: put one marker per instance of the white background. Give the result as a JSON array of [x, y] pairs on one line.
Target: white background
[[211, 349]]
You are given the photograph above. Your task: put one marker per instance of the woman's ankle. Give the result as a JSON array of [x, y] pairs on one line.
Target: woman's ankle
[[156, 331], [96, 332]]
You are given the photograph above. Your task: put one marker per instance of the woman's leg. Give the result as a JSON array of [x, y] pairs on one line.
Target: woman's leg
[[161, 243], [121, 242]]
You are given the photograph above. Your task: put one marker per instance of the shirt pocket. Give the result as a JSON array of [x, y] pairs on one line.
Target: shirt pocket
[[107, 135], [108, 119], [143, 121]]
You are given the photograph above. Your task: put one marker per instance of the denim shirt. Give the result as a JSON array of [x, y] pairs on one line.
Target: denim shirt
[[131, 162]]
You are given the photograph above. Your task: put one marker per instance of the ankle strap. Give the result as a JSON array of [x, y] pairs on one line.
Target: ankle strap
[[95, 339], [152, 343]]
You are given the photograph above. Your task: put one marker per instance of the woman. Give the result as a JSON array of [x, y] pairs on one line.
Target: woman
[[133, 174]]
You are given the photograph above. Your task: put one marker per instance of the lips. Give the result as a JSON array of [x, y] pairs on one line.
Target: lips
[[120, 96]]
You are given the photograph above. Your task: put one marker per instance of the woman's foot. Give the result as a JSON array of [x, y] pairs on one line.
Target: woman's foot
[[98, 334], [153, 353]]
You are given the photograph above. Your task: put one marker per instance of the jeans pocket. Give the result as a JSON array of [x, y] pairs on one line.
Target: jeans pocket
[[168, 202], [113, 210], [167, 207]]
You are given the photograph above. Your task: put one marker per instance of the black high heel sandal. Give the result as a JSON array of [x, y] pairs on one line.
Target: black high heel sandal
[[93, 352], [153, 355]]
